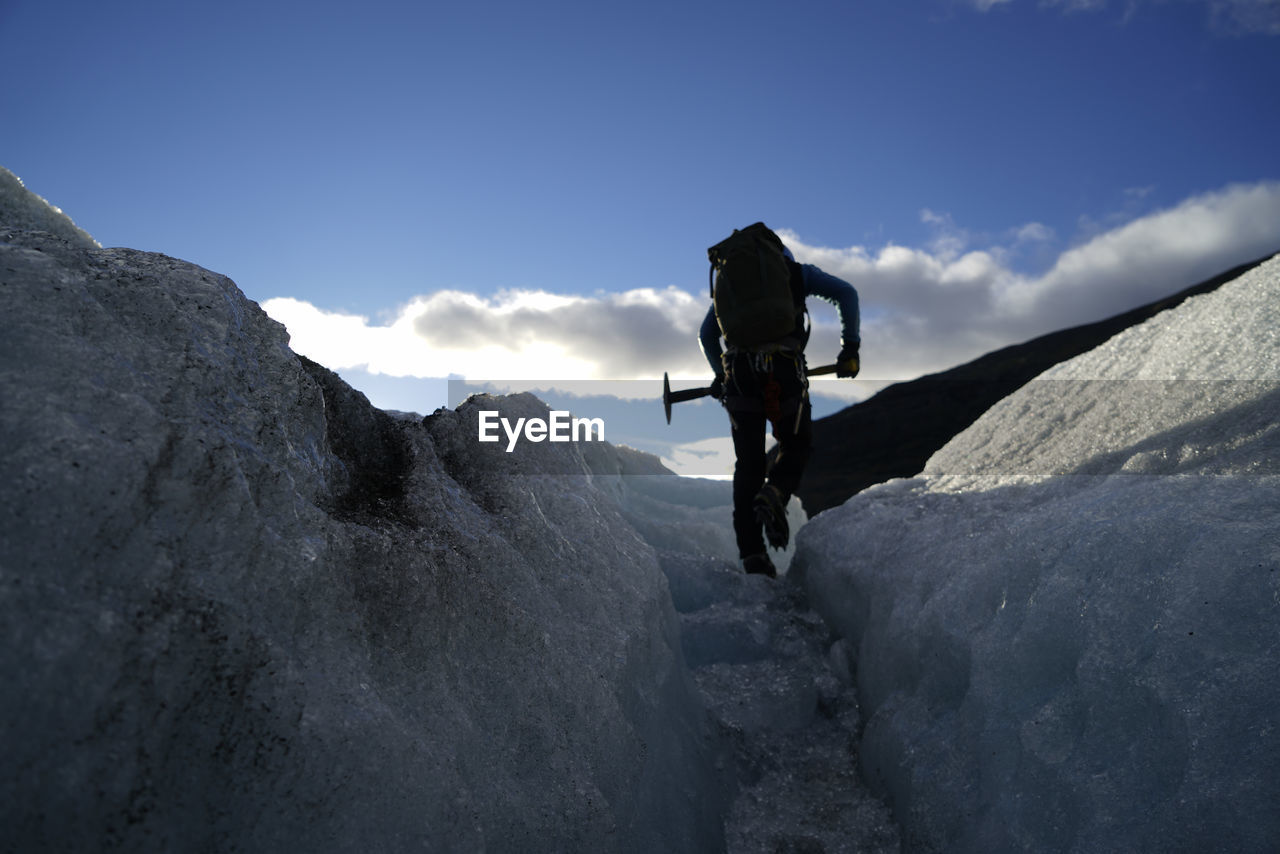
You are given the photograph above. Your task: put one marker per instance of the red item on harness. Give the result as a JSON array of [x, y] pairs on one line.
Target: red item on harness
[[773, 400]]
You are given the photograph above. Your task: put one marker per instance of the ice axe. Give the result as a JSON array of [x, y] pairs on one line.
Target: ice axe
[[669, 397]]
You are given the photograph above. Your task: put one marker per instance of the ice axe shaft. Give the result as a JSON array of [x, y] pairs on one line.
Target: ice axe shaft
[[669, 397]]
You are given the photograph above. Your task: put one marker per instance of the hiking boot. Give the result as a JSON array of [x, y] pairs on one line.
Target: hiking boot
[[759, 565], [771, 511]]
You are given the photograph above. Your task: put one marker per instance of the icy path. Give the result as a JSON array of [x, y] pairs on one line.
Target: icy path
[[782, 693]]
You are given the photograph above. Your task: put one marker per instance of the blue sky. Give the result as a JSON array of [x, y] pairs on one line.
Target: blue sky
[[509, 189]]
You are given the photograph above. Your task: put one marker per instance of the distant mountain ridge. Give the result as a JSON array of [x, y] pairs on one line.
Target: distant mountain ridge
[[893, 433]]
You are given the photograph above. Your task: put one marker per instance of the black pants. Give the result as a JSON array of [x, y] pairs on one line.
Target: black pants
[[765, 388]]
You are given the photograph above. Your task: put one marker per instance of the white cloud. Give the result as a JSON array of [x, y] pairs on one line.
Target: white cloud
[[1248, 16], [1149, 257], [1234, 16], [923, 310], [516, 335], [1076, 5], [1033, 232], [712, 457], [949, 240]]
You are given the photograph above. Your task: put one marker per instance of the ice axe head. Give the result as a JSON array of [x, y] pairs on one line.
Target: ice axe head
[[669, 397], [666, 396]]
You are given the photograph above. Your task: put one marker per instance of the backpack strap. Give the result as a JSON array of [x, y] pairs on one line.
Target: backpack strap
[[803, 325]]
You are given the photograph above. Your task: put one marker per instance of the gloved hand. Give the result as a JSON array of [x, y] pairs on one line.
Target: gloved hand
[[847, 362], [717, 387]]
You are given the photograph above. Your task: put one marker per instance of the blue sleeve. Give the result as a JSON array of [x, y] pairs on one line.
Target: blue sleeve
[[709, 337], [839, 293]]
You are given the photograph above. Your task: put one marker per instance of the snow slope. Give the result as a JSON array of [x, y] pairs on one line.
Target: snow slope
[[1068, 628]]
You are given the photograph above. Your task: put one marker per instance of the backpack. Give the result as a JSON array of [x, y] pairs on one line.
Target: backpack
[[751, 287]]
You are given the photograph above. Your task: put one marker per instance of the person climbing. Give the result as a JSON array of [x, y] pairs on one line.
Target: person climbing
[[758, 293]]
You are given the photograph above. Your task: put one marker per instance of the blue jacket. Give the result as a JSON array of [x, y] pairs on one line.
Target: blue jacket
[[814, 283]]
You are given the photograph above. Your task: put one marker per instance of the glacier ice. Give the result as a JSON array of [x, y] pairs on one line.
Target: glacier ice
[[240, 609], [1066, 627], [20, 206]]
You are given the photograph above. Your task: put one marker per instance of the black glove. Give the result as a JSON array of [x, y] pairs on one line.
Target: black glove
[[847, 362], [717, 387]]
